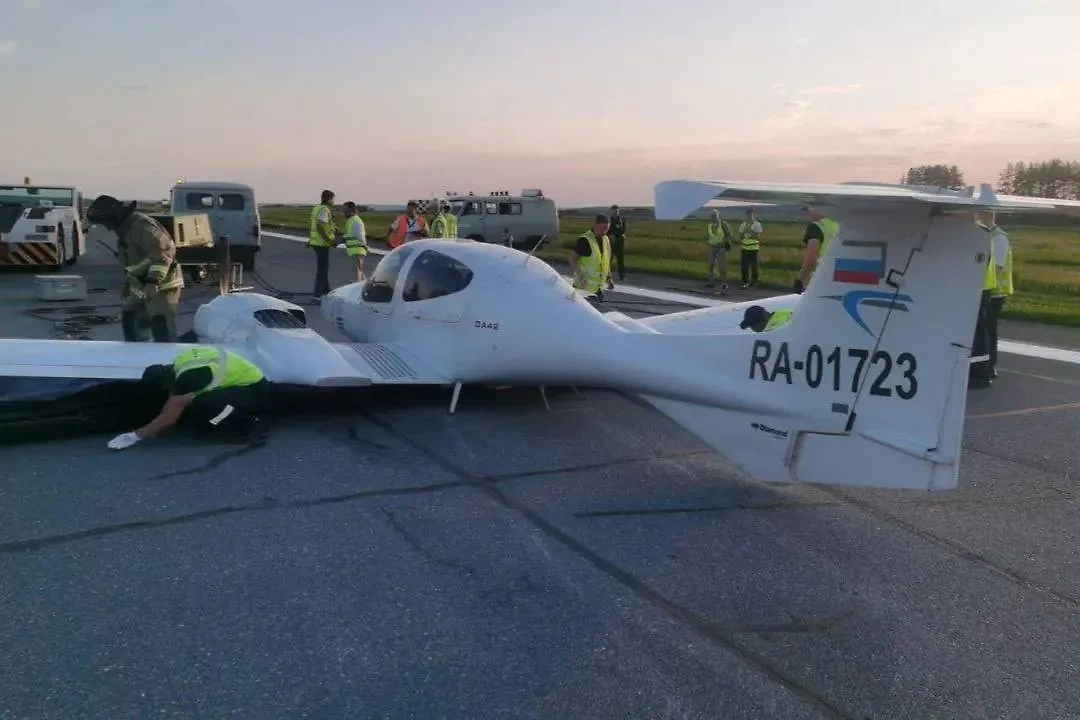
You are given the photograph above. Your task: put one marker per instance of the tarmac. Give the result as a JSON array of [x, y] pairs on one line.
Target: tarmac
[[594, 561]]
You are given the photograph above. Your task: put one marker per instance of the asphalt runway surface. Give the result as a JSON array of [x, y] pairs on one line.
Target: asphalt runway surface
[[594, 561]]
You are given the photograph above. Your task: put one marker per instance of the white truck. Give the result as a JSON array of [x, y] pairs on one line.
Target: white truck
[[232, 210], [488, 218], [40, 225]]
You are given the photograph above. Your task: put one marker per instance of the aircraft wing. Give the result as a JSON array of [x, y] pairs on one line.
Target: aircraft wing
[[320, 364], [675, 199]]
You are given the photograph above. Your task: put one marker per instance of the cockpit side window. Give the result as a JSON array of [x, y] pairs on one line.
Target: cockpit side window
[[379, 288], [435, 275]]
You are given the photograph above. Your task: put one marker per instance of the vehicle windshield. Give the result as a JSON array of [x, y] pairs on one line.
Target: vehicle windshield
[[34, 194]]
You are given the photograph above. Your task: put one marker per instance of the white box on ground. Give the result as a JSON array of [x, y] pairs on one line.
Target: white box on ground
[[60, 287]]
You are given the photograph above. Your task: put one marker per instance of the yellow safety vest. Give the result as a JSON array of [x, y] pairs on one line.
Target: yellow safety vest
[[355, 238], [314, 238], [230, 369], [778, 318], [440, 226], [451, 225], [715, 233], [594, 269], [990, 278], [749, 242], [830, 229], [1004, 286]]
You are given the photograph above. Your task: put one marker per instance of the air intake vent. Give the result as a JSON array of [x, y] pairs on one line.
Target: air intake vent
[[279, 319]]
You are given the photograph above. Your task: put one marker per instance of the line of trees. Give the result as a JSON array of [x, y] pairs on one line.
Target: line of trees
[[1057, 179]]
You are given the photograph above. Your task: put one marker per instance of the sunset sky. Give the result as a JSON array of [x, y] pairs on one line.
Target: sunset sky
[[592, 100]]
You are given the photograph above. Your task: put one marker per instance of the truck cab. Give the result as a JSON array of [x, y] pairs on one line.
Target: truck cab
[[232, 210], [487, 218]]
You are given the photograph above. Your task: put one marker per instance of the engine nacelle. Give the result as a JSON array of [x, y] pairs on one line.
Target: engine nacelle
[[273, 334], [234, 318]]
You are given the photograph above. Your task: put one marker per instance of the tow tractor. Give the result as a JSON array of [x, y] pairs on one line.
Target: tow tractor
[[40, 226]]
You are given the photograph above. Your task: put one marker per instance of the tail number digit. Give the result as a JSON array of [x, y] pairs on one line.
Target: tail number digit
[[838, 368]]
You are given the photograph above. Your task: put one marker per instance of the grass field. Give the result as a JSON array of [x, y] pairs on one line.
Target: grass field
[[1046, 260]]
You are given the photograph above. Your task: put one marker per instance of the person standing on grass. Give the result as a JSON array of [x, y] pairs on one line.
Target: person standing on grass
[[750, 236], [617, 233], [718, 235]]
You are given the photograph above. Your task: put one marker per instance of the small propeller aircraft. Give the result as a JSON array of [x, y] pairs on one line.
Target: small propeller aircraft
[[865, 385]]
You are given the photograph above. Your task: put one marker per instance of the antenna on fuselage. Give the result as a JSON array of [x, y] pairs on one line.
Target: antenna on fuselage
[[537, 246]]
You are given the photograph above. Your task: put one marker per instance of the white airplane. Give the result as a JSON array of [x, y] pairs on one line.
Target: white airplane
[[866, 384]]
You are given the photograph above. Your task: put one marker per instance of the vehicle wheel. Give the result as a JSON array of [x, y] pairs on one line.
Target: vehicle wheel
[[247, 260], [75, 248], [61, 249], [477, 238]]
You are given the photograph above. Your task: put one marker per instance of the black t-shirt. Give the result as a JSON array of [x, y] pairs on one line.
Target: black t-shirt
[[192, 381], [813, 232], [581, 247]]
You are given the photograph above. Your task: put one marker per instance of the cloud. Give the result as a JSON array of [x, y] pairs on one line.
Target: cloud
[[31, 5], [832, 89], [802, 41], [793, 113], [7, 47]]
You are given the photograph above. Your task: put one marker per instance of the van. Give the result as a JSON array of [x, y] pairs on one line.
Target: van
[[232, 210], [485, 218]]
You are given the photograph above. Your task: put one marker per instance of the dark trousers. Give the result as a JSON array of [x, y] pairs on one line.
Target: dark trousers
[[993, 314], [618, 254], [322, 270], [748, 266], [981, 344], [230, 413]]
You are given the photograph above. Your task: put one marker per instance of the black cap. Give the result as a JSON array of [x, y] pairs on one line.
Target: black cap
[[754, 315], [602, 218]]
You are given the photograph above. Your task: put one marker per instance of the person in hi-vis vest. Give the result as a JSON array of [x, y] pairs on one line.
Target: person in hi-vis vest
[[410, 226], [750, 239], [356, 245], [322, 235], [820, 232]]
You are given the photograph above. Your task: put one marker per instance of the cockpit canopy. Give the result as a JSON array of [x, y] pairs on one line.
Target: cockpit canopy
[[432, 275]]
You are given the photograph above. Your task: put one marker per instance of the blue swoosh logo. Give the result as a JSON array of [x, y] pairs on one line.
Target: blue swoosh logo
[[876, 298]]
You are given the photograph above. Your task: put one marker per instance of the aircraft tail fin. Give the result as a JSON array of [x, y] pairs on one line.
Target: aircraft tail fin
[[866, 384]]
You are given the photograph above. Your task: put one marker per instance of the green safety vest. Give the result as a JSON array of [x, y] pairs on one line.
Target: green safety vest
[[778, 318], [830, 229], [355, 237], [715, 233], [593, 269], [1004, 284], [990, 277], [444, 225], [314, 238], [230, 369], [749, 242]]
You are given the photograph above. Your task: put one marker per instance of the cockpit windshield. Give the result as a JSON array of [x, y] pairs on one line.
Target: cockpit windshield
[[379, 288], [434, 275]]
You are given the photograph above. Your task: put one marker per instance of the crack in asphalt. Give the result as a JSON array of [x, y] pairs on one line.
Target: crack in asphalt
[[266, 504], [785, 505], [699, 624], [957, 549]]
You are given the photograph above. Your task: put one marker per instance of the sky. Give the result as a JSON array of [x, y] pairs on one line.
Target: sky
[[594, 101]]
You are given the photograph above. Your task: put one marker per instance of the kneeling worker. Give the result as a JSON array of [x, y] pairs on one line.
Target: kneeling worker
[[759, 319], [210, 390]]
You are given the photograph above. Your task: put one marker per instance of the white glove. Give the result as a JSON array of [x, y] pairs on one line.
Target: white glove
[[125, 440]]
